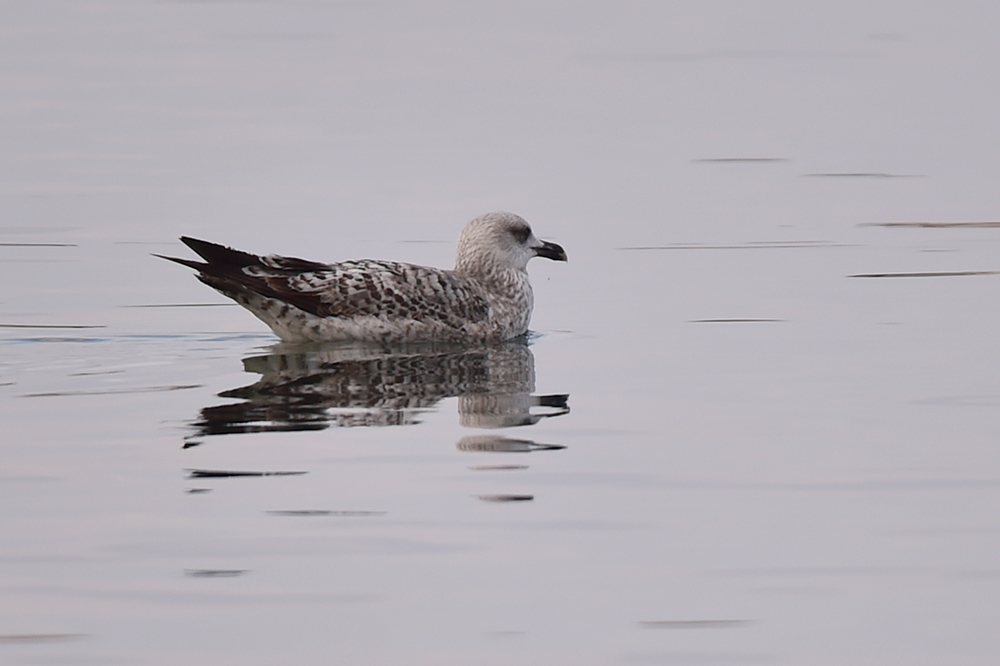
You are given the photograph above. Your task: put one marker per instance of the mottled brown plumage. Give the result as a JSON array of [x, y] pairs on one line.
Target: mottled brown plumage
[[487, 297]]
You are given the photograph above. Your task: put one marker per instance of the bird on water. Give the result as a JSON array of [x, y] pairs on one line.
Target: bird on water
[[486, 298]]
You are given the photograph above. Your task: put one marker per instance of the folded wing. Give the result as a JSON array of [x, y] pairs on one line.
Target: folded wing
[[386, 289]]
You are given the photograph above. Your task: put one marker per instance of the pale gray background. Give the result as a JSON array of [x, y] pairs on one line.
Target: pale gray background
[[821, 489]]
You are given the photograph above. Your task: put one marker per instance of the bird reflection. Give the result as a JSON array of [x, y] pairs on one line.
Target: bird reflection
[[316, 387]]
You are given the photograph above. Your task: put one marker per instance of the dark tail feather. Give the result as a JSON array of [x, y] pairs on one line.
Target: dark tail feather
[[227, 278], [190, 263], [224, 271], [220, 261], [227, 262]]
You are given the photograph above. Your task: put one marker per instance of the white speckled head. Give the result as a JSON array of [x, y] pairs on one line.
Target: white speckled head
[[500, 240]]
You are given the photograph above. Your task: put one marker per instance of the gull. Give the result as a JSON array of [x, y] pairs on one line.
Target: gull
[[486, 298]]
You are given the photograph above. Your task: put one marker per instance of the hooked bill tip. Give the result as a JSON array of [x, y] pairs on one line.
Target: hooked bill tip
[[551, 251]]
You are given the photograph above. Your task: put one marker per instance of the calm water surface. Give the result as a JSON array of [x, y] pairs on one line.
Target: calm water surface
[[758, 419]]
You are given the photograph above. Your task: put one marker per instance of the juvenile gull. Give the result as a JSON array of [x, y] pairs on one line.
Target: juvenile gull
[[486, 298]]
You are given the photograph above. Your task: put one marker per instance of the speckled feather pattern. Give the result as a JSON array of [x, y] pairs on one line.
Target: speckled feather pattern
[[487, 297]]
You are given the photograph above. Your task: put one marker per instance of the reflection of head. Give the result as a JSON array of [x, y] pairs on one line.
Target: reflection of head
[[497, 410], [498, 444]]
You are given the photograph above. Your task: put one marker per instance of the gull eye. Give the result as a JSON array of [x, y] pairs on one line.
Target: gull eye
[[520, 234]]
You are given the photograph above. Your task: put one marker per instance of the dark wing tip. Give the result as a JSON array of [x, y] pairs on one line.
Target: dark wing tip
[[219, 260], [214, 253]]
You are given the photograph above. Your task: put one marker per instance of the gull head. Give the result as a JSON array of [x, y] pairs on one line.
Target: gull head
[[501, 240]]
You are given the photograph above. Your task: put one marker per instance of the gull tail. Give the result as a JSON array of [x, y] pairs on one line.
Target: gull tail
[[219, 259]]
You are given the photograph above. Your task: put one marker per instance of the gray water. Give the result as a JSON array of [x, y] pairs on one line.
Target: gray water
[[757, 421]]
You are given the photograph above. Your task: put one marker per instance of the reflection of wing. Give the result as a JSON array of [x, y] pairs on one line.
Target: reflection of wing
[[312, 389]]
